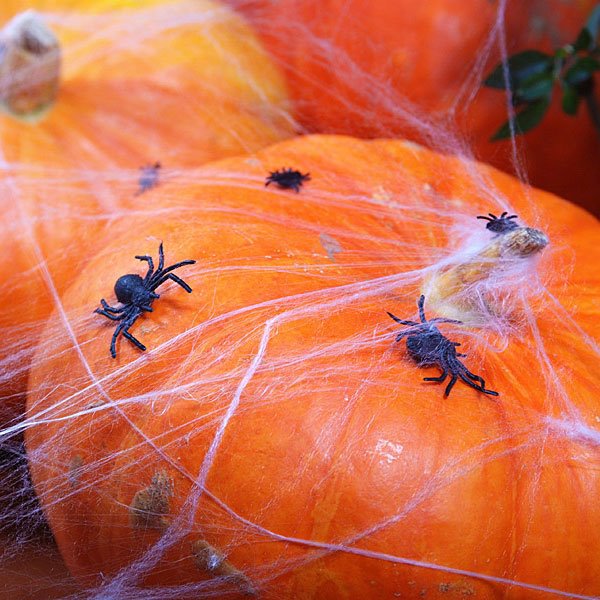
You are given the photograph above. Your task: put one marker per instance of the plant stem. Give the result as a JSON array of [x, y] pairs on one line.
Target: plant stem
[[593, 109]]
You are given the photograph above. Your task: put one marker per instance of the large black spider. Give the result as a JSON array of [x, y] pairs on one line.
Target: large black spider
[[428, 347], [501, 224], [137, 294], [288, 179]]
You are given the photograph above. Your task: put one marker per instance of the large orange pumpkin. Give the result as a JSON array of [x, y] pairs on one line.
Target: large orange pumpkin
[[275, 440], [175, 82], [407, 68]]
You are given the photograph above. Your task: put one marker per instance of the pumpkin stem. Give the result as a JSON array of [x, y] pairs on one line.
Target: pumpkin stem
[[30, 60], [475, 288]]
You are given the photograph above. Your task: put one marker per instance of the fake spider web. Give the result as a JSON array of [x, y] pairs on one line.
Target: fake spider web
[[306, 443]]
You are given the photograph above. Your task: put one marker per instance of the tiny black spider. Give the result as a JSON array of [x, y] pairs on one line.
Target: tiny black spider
[[288, 179], [500, 224], [428, 347], [137, 295], [148, 177]]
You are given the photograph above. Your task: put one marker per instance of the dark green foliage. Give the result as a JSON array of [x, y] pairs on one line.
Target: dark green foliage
[[531, 76]]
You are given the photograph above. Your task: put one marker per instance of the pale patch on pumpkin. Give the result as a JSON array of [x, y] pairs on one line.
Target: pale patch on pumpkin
[[331, 245], [208, 558], [75, 471], [150, 506], [412, 145], [388, 451], [381, 196], [461, 588]]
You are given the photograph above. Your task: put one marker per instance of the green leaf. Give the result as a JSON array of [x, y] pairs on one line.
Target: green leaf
[[593, 23], [526, 119], [521, 67], [584, 40], [570, 100], [581, 70], [534, 88]]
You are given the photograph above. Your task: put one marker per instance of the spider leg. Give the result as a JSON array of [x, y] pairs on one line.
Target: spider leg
[[421, 304], [478, 388], [455, 344], [150, 262], [402, 321], [439, 379], [161, 257], [132, 339], [110, 316], [474, 377], [113, 343], [159, 276], [486, 218], [442, 320], [162, 272], [106, 306], [481, 381], [450, 385], [453, 366], [467, 377], [174, 278], [410, 331]]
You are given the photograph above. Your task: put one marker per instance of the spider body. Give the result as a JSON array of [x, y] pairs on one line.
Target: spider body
[[501, 224], [288, 179], [148, 177], [428, 347], [137, 294]]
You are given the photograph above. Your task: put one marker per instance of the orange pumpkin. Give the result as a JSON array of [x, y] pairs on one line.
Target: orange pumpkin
[[174, 82], [33, 569], [275, 440], [389, 68]]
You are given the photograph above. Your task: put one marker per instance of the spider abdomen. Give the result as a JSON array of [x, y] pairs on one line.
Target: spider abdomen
[[129, 289], [425, 349]]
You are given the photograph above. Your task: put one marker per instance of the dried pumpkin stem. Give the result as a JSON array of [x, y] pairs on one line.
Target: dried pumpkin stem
[[459, 291], [30, 59]]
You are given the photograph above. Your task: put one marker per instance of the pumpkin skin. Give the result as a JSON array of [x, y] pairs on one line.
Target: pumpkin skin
[[176, 82], [415, 69], [331, 464], [33, 569]]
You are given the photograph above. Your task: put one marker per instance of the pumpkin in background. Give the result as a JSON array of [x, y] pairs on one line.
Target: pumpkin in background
[[274, 439], [33, 569], [177, 83], [382, 69]]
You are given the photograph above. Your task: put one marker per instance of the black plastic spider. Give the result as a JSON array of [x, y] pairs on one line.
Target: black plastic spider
[[428, 347], [148, 177], [288, 179], [137, 295], [500, 224]]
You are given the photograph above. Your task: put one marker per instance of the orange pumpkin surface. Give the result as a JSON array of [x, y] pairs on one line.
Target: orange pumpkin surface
[[168, 81], [275, 440], [406, 68], [31, 570]]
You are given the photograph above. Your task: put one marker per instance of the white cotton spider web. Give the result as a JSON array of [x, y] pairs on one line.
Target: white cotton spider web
[[311, 341]]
